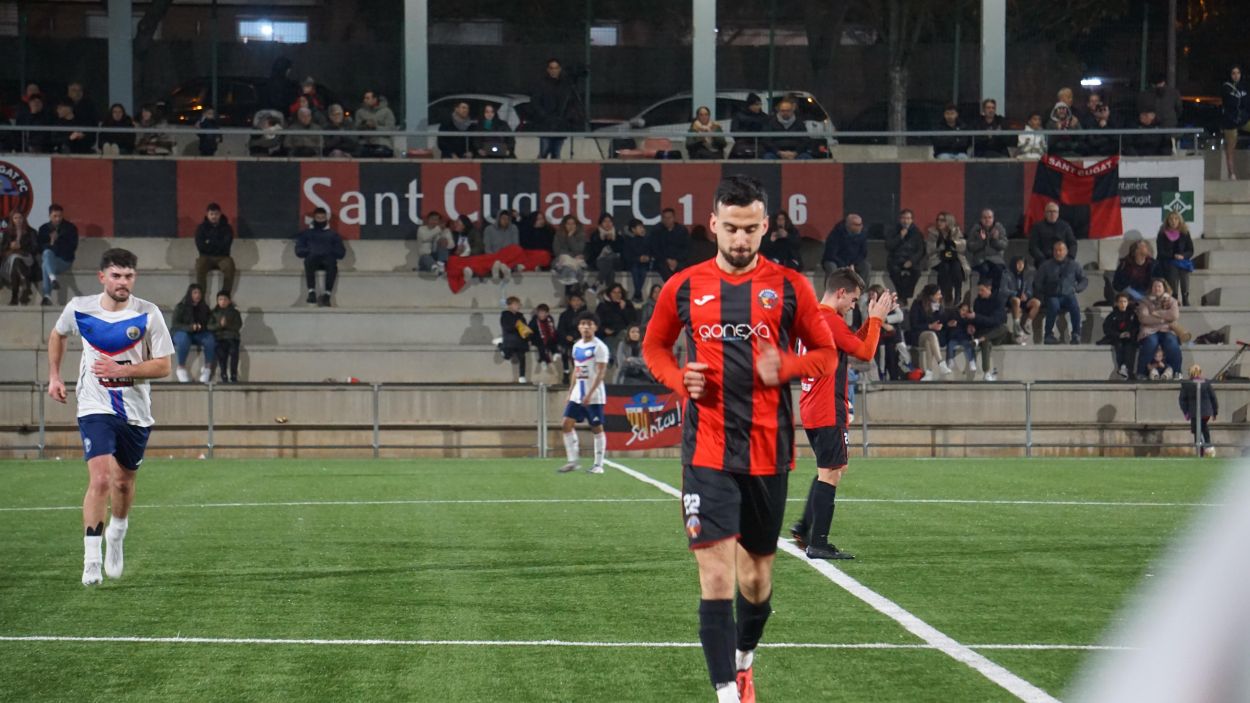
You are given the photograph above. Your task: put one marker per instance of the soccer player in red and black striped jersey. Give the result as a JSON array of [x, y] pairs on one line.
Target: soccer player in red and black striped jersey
[[823, 406], [741, 314]]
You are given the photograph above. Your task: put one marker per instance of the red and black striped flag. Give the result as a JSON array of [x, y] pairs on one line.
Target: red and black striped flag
[[1088, 197]]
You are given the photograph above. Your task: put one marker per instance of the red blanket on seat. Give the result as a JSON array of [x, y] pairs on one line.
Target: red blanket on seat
[[512, 256]]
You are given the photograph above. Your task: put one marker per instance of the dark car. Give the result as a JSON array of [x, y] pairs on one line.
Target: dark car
[[238, 98]]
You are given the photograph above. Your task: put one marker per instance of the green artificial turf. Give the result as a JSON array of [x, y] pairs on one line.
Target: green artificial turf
[[576, 558]]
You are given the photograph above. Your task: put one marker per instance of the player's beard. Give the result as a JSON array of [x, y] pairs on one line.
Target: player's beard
[[119, 295], [740, 257]]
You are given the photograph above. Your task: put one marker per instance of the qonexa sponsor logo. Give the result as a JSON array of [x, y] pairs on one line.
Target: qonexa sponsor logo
[[734, 333]]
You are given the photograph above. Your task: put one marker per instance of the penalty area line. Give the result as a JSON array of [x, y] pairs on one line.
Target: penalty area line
[[944, 643]]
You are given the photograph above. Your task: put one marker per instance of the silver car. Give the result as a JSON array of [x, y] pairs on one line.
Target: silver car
[[513, 108]]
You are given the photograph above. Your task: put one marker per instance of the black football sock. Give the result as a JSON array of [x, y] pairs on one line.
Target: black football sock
[[823, 499], [807, 508], [716, 632], [95, 531], [751, 619]]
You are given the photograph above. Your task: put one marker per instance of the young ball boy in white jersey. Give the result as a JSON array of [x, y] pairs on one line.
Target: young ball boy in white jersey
[[587, 395], [125, 343]]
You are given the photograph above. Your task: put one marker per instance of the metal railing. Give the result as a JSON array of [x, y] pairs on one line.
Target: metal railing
[[864, 422]]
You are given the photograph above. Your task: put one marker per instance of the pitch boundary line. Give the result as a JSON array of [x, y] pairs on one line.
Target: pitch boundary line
[[540, 501], [944, 643], [378, 642]]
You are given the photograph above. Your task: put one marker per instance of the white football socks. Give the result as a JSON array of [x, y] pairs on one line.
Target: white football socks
[[93, 549], [745, 659], [571, 446], [601, 446], [117, 525], [727, 693]]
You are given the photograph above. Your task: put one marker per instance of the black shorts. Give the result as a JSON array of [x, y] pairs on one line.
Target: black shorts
[[718, 505], [829, 443]]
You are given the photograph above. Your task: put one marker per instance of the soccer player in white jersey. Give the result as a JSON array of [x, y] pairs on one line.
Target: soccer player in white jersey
[[587, 395], [125, 343]]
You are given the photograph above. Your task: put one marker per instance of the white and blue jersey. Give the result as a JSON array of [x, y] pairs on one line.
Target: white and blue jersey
[[586, 358], [131, 335]]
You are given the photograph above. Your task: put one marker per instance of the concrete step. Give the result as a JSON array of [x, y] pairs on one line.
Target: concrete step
[[1226, 226], [1220, 191], [1236, 209]]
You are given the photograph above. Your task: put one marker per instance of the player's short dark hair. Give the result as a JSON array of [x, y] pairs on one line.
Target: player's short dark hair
[[588, 315], [739, 190], [121, 258], [844, 279]]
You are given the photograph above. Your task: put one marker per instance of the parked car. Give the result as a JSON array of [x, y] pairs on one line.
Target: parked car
[[512, 108], [238, 99]]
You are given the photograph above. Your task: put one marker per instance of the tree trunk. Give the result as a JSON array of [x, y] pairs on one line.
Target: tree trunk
[[898, 102]]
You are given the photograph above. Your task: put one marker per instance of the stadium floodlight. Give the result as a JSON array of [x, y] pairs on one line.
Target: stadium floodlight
[[266, 29], [1091, 82]]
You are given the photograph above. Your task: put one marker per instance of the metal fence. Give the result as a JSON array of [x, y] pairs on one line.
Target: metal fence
[[1020, 425]]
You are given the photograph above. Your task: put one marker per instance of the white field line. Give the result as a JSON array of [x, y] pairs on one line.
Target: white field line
[[1012, 683], [522, 501], [323, 642]]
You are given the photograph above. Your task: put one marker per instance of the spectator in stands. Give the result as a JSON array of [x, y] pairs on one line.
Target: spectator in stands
[[1163, 100], [1065, 96], [209, 136], [990, 147], [1061, 118], [226, 325], [36, 114], [321, 248], [847, 247], [493, 140], [151, 141], [890, 343], [636, 255], [496, 236], [568, 254], [648, 308], [1119, 329], [83, 109], [1098, 117], [546, 339], [1176, 253], [953, 146], [946, 247], [213, 239], [1029, 146], [987, 241], [615, 314], [783, 243], [535, 233], [467, 238], [269, 142], [114, 143], [555, 109], [516, 335], [1057, 283], [434, 244], [1148, 144], [710, 144], [605, 252], [454, 141], [905, 255], [631, 369], [669, 245], [796, 144], [18, 248], [310, 98], [1135, 272], [375, 114], [566, 328], [1046, 232], [749, 119], [1017, 286], [57, 242], [298, 142], [1234, 111], [339, 145], [959, 334], [1156, 314], [190, 328], [1197, 398], [77, 142], [926, 329], [987, 321]]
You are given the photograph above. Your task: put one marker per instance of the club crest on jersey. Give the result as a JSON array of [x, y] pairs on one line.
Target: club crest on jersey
[[768, 298], [132, 333], [693, 526]]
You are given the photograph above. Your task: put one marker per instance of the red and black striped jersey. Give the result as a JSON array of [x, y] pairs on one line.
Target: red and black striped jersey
[[823, 402], [739, 424]]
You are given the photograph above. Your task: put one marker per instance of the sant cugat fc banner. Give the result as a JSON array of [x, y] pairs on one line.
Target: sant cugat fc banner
[[642, 417], [1088, 196]]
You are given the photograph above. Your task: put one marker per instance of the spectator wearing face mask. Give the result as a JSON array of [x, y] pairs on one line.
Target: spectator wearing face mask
[[321, 248]]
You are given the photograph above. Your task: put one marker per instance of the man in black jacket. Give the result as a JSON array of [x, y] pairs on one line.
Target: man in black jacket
[[987, 322], [212, 240], [905, 255], [669, 243], [57, 241], [750, 118], [990, 147], [555, 109], [798, 146], [1043, 235], [455, 146], [321, 248], [953, 146], [847, 245], [36, 115]]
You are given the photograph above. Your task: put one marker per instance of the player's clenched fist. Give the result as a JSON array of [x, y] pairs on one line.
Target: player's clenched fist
[[769, 366], [694, 379]]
